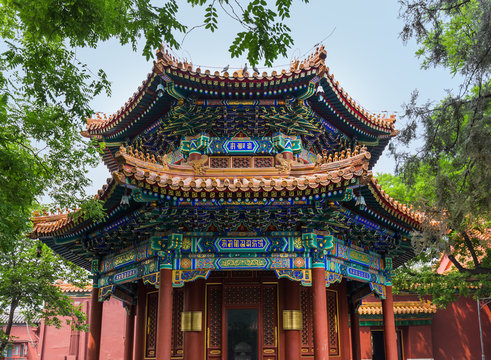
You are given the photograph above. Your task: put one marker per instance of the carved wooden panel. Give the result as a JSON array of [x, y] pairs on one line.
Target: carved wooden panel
[[241, 162], [219, 162], [307, 322], [270, 322], [307, 327], [221, 298], [214, 322], [151, 325], [177, 335], [263, 162], [332, 318], [242, 295]]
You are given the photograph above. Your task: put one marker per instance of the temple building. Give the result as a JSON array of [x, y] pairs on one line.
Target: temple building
[[242, 219]]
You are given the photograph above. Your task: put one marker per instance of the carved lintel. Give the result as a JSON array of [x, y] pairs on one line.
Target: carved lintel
[[199, 165], [284, 165], [165, 161]]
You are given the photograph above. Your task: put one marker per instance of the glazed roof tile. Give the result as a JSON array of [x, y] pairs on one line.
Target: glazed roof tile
[[19, 318], [400, 308], [287, 176], [169, 69], [45, 224], [70, 288], [188, 177], [393, 206]]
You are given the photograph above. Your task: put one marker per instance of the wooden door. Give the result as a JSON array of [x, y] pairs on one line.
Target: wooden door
[[252, 306]]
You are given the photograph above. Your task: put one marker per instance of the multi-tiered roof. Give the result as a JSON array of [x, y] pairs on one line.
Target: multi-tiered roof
[[218, 153]]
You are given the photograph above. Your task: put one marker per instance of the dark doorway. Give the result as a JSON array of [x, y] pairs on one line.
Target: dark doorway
[[242, 334], [378, 345]]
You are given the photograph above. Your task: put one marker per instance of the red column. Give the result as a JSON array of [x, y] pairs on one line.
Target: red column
[[291, 296], [129, 333], [343, 311], [355, 333], [140, 322], [193, 301], [390, 336], [164, 320], [95, 325], [321, 350]]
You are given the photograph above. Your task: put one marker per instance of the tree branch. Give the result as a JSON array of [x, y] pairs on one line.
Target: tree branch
[[457, 264], [469, 245], [34, 153], [4, 342]]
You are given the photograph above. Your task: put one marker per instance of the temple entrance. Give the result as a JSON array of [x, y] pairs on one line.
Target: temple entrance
[[378, 345], [242, 334], [241, 319]]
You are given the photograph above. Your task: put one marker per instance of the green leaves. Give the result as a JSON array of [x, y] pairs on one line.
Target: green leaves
[[467, 249], [28, 272], [452, 33], [45, 95], [211, 17], [265, 38]]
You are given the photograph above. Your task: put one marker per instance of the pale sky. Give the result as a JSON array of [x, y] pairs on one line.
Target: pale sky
[[364, 52]]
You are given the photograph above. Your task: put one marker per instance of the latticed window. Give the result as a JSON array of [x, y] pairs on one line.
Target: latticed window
[[241, 162], [332, 318], [151, 330], [219, 162], [263, 162]]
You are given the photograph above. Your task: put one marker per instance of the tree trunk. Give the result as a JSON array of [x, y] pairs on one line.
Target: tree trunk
[[4, 342]]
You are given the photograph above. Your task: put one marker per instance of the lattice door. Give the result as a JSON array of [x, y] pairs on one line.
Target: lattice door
[[151, 325], [222, 297], [214, 322], [308, 328], [332, 317], [177, 335]]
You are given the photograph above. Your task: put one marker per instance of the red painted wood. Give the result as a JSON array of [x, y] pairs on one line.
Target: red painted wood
[[164, 322], [390, 336], [95, 326], [321, 349], [291, 298], [129, 334], [343, 311], [355, 333], [194, 301], [140, 322]]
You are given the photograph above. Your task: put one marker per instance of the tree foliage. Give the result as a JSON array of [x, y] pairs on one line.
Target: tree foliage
[[45, 94], [420, 274], [28, 271], [449, 176], [45, 91]]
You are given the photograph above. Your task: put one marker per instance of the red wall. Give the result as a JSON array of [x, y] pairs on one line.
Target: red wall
[[365, 342], [26, 335], [455, 331], [417, 342], [113, 329], [452, 335], [55, 343]]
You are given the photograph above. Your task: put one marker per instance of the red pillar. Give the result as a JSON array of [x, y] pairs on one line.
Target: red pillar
[[291, 296], [95, 325], [193, 301], [390, 336], [140, 322], [355, 333], [321, 331], [164, 320], [129, 333], [343, 311]]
